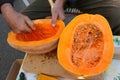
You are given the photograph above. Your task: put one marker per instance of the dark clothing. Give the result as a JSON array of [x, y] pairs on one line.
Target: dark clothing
[[110, 9], [6, 1]]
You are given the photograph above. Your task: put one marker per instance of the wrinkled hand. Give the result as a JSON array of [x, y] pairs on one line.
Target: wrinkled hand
[[18, 22], [57, 11]]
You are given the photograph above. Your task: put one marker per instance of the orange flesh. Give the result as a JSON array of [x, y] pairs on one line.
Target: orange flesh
[[42, 31], [87, 47]]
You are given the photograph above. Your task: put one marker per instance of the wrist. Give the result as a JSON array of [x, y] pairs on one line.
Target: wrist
[[60, 2], [7, 11], [6, 8]]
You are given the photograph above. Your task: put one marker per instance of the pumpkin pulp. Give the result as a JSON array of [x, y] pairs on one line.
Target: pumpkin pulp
[[87, 46], [42, 31]]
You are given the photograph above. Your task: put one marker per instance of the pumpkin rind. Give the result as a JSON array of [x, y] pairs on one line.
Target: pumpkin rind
[[85, 53], [36, 46], [45, 77]]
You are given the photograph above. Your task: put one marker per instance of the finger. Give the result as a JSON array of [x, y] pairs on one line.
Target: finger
[[16, 31], [61, 16], [54, 17], [27, 29], [24, 28], [29, 23]]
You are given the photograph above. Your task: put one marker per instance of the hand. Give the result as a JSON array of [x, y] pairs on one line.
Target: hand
[[18, 22], [57, 11]]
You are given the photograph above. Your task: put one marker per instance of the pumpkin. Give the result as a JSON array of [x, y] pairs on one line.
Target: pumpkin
[[41, 40], [86, 45], [45, 77]]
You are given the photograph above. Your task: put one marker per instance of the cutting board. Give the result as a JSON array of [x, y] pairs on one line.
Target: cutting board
[[48, 64]]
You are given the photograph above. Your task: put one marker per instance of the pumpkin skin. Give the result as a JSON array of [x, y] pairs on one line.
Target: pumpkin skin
[[86, 45], [42, 40]]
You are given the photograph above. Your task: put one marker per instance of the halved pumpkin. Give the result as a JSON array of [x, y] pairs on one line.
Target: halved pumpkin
[[86, 45], [42, 40]]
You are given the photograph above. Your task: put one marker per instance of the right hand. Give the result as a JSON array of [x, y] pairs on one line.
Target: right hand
[[57, 11], [18, 22]]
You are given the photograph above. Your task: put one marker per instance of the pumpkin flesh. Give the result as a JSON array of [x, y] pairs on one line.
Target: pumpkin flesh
[[40, 33], [87, 49], [87, 46], [42, 40], [43, 34]]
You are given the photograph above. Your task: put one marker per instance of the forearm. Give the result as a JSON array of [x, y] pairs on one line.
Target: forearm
[[7, 10]]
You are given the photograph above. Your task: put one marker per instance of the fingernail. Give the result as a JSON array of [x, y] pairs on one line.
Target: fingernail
[[34, 28], [53, 25]]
